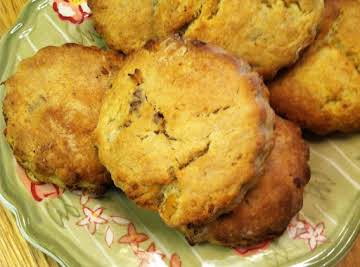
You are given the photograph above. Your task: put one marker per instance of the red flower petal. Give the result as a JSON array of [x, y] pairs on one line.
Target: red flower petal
[[99, 220], [76, 19], [87, 211], [84, 221], [125, 239], [139, 238], [131, 229], [321, 239], [132, 236], [98, 212], [305, 236], [246, 251], [151, 248], [92, 228], [319, 228], [175, 260], [34, 193], [312, 243]]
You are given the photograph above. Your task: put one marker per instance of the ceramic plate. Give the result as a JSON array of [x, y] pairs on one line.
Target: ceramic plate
[[78, 230]]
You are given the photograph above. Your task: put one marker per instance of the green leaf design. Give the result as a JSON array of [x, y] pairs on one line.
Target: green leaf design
[[59, 205], [72, 211], [60, 211], [54, 214], [320, 185]]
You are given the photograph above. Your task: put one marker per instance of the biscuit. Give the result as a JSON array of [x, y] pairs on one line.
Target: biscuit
[[181, 121], [268, 208], [51, 108], [129, 25], [322, 93], [268, 34]]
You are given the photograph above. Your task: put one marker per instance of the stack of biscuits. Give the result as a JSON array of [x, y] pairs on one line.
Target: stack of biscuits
[[178, 114]]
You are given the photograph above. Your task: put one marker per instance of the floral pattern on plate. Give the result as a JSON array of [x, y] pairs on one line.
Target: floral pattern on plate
[[39, 191], [75, 11], [302, 229], [94, 218]]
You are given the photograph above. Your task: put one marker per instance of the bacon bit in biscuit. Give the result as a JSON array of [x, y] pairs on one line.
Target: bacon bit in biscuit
[[136, 101], [137, 77]]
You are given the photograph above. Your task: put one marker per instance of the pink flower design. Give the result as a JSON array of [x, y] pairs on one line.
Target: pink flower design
[[296, 227], [314, 235], [75, 11], [133, 237], [92, 219], [96, 216], [175, 260], [247, 251], [39, 191], [149, 257], [302, 229]]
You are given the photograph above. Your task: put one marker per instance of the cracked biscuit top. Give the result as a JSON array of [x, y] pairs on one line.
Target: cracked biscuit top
[[267, 208], [267, 34], [322, 91], [185, 130], [51, 109]]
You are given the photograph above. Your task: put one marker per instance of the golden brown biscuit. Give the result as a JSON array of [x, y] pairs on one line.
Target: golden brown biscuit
[[268, 34], [124, 24], [268, 208], [183, 118], [129, 25], [51, 108], [322, 92]]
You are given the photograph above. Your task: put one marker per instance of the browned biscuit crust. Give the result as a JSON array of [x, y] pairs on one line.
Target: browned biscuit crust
[[321, 92], [268, 208], [183, 118], [268, 34], [51, 108]]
